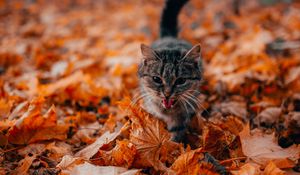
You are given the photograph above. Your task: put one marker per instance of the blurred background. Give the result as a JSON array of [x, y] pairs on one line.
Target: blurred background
[[240, 39]]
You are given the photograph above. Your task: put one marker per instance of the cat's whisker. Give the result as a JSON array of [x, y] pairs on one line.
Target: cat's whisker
[[191, 99], [199, 103], [187, 102], [196, 101], [181, 101], [184, 105]]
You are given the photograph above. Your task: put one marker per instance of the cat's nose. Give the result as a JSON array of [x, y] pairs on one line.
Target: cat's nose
[[167, 93]]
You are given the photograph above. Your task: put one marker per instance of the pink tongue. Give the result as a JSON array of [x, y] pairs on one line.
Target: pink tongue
[[168, 103]]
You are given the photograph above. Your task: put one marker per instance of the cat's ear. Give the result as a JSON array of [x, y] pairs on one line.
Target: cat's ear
[[148, 52], [193, 54]]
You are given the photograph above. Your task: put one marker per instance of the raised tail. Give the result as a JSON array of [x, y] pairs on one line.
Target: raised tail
[[168, 23]]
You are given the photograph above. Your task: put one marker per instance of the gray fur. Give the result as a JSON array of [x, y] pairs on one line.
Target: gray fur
[[170, 74], [171, 59]]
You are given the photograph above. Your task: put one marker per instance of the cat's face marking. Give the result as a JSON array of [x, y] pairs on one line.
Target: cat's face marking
[[170, 79]]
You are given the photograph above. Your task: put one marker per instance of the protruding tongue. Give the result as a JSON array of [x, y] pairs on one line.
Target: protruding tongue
[[168, 103]]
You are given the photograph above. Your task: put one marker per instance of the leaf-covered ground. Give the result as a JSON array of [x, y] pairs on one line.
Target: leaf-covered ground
[[68, 81]]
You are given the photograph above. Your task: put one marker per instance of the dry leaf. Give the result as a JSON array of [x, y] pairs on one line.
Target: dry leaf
[[68, 162], [247, 169], [152, 140], [32, 127], [122, 154], [272, 169], [269, 116], [93, 148], [188, 163], [61, 84], [234, 108], [261, 148], [88, 168], [220, 143], [24, 165]]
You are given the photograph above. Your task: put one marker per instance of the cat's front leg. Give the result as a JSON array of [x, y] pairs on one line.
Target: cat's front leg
[[179, 133]]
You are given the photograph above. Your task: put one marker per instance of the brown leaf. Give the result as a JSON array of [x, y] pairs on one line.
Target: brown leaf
[[152, 140], [122, 154], [61, 84], [20, 109], [269, 116], [93, 148], [32, 127], [88, 168], [221, 143], [234, 108], [56, 150], [262, 148], [24, 165], [232, 124], [35, 149], [292, 75], [68, 162], [5, 107], [85, 133], [247, 169], [188, 163], [4, 126], [272, 169]]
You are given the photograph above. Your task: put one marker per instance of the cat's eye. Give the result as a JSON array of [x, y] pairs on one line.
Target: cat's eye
[[180, 81], [157, 80]]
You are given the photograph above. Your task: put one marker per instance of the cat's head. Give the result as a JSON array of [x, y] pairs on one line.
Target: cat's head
[[170, 78]]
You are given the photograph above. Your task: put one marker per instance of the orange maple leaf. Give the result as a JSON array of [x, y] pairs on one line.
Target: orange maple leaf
[[33, 126], [192, 162], [152, 140], [122, 154]]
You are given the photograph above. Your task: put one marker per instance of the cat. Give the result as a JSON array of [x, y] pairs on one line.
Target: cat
[[170, 74]]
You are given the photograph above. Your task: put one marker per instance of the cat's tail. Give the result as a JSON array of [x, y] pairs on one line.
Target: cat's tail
[[168, 23]]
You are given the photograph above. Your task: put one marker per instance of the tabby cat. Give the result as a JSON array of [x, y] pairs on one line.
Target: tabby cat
[[170, 74]]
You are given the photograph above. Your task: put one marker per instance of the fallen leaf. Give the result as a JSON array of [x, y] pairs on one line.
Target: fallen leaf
[[56, 150], [33, 127], [247, 169], [68, 162], [24, 165], [19, 110], [122, 154], [269, 116], [272, 169], [5, 107], [188, 163], [292, 75], [234, 108], [261, 148], [220, 143], [88, 168], [85, 132], [93, 148], [152, 140], [34, 149], [61, 84]]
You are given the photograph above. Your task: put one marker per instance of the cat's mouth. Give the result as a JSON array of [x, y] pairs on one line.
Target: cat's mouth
[[168, 103]]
